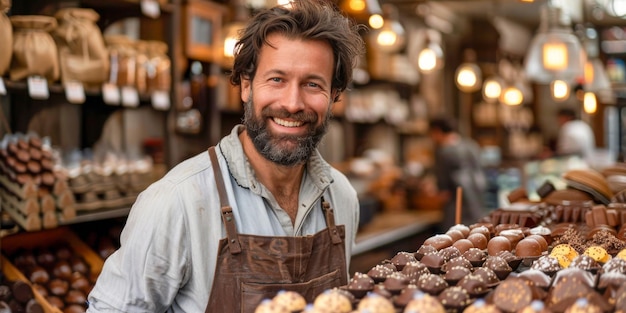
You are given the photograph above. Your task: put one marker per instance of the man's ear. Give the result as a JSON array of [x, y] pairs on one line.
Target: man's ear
[[246, 86]]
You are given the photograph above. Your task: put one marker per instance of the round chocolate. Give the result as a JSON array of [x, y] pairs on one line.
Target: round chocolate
[[439, 241], [456, 273], [62, 269], [75, 297], [21, 291], [546, 264], [475, 256], [488, 275], [5, 293], [379, 272], [514, 236], [55, 302], [46, 259], [541, 240], [79, 265], [474, 284], [63, 252], [465, 230], [58, 287], [479, 240], [395, 282], [360, 284], [584, 262], [498, 244], [291, 300], [455, 235], [458, 261], [463, 245], [33, 307], [528, 247], [38, 275], [414, 270], [423, 302], [482, 229], [406, 295], [74, 308], [512, 295], [80, 282], [454, 298]]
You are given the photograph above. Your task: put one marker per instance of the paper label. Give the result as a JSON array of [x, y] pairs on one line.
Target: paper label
[[150, 8], [74, 92], [111, 94], [130, 97], [38, 88], [3, 89], [161, 100]]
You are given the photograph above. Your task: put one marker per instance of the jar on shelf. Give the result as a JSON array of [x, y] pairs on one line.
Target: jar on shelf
[[122, 56], [153, 66]]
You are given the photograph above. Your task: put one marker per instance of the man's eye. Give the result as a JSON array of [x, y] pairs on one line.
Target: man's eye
[[313, 85], [276, 79]]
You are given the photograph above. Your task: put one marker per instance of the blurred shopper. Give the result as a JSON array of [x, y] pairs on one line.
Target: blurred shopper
[[575, 136], [457, 164]]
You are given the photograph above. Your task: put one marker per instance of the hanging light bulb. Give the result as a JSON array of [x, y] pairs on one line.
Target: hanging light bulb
[[230, 32], [376, 21], [430, 58], [512, 96], [559, 90], [590, 103], [554, 51], [468, 75], [492, 88], [391, 37]]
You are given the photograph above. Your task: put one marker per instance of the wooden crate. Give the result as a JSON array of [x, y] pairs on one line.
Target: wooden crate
[[47, 238], [12, 273]]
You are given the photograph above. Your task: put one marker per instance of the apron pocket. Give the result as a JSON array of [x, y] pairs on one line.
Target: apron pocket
[[253, 293]]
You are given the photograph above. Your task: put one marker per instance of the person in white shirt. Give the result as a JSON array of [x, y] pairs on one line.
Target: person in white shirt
[[575, 136]]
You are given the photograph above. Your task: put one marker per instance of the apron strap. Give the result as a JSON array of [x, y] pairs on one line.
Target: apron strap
[[227, 212], [330, 222]]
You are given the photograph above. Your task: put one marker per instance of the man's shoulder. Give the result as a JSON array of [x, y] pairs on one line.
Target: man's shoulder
[[188, 168]]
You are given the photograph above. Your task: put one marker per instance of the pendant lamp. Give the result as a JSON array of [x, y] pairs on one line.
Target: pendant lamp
[[468, 76], [555, 52], [430, 58], [391, 37]]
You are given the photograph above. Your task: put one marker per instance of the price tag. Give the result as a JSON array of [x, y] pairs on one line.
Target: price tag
[[161, 100], [150, 8], [38, 88], [111, 94], [74, 92], [130, 97], [3, 88]]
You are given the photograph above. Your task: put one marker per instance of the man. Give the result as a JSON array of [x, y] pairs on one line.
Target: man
[[457, 164], [575, 136], [262, 211]]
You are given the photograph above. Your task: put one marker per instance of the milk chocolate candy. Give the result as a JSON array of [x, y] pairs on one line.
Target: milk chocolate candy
[[35, 154], [512, 295], [33, 307], [517, 195], [35, 142], [5, 293]]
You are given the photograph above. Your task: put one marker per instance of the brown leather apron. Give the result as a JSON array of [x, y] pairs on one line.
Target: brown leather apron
[[251, 268]]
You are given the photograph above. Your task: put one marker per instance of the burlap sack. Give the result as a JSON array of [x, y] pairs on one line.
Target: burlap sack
[[6, 37], [122, 54], [153, 66], [82, 51], [34, 49]]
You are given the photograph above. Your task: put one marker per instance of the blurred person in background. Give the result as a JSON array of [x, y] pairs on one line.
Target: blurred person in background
[[457, 164]]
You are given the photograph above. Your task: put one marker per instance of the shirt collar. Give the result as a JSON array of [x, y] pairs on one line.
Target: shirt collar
[[318, 170]]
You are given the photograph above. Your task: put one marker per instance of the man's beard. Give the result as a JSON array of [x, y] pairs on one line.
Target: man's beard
[[287, 150]]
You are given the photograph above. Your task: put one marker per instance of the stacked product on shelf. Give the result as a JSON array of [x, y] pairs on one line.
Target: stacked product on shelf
[[6, 36], [33, 192]]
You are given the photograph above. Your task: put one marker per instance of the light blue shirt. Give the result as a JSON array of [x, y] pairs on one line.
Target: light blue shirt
[[168, 255]]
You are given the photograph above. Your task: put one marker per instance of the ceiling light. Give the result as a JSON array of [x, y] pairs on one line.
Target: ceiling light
[[590, 103], [559, 90]]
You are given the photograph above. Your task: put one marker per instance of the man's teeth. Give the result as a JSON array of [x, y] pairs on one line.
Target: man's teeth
[[285, 123]]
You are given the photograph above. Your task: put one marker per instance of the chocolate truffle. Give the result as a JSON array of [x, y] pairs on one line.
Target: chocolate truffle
[[32, 306], [458, 261], [478, 240], [379, 273], [375, 303], [482, 228], [514, 236], [55, 302], [291, 300], [456, 235], [528, 247], [454, 298], [75, 297], [481, 306], [80, 282], [38, 275], [546, 264], [432, 284], [46, 259], [434, 262], [463, 245], [424, 303], [584, 262], [536, 277], [5, 293], [541, 240], [58, 287], [401, 259], [454, 274], [424, 250], [512, 295], [62, 269], [406, 295], [439, 241], [488, 275], [79, 265], [615, 265], [360, 284], [21, 291], [497, 263], [474, 284], [464, 229], [449, 253], [414, 270], [333, 300], [475, 256], [497, 244], [395, 282]]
